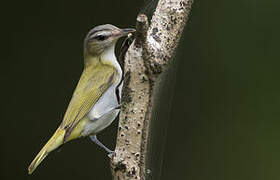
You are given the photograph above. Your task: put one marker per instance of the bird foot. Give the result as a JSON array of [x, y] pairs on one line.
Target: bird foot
[[111, 154]]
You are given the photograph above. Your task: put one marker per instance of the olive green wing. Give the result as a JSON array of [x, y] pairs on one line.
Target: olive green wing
[[93, 83]]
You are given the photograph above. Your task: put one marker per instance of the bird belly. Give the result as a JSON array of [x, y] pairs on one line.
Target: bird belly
[[103, 113], [105, 104], [94, 127]]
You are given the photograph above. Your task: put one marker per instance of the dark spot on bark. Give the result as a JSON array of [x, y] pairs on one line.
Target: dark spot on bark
[[143, 79], [127, 142], [120, 166], [157, 38], [154, 35], [154, 31], [146, 71], [133, 171], [156, 68]]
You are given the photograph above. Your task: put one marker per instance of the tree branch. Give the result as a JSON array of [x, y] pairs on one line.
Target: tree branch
[[145, 59]]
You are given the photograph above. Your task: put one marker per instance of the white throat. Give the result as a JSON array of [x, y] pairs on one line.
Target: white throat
[[109, 56]]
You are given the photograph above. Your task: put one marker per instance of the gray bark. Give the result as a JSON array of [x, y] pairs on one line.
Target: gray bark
[[147, 57]]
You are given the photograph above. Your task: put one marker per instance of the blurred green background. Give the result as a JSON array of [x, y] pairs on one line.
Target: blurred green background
[[225, 115]]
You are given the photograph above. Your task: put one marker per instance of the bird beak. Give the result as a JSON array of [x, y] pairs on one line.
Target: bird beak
[[124, 32]]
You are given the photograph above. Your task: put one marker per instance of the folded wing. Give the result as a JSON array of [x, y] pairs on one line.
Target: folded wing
[[93, 83]]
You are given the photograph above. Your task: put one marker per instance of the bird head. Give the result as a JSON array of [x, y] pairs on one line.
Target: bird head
[[103, 37]]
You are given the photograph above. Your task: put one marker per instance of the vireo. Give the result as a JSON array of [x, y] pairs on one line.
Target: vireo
[[96, 99]]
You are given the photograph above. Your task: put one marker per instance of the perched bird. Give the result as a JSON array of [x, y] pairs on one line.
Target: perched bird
[[96, 100]]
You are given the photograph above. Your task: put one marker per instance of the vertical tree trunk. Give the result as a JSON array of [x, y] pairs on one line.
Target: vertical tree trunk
[[147, 57]]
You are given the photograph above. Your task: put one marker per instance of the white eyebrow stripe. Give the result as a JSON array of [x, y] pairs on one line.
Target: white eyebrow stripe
[[103, 33]]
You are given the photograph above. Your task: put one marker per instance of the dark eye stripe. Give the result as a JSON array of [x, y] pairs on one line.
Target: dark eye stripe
[[101, 37]]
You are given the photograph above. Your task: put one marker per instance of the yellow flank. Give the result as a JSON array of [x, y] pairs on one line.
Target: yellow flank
[[77, 130], [55, 141]]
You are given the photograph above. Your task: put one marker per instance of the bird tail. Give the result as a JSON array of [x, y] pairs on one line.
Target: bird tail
[[55, 141]]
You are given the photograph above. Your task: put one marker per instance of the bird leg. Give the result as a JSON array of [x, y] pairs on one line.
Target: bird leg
[[96, 141]]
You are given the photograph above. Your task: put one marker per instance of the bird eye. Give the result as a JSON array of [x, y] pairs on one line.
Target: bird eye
[[101, 37]]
